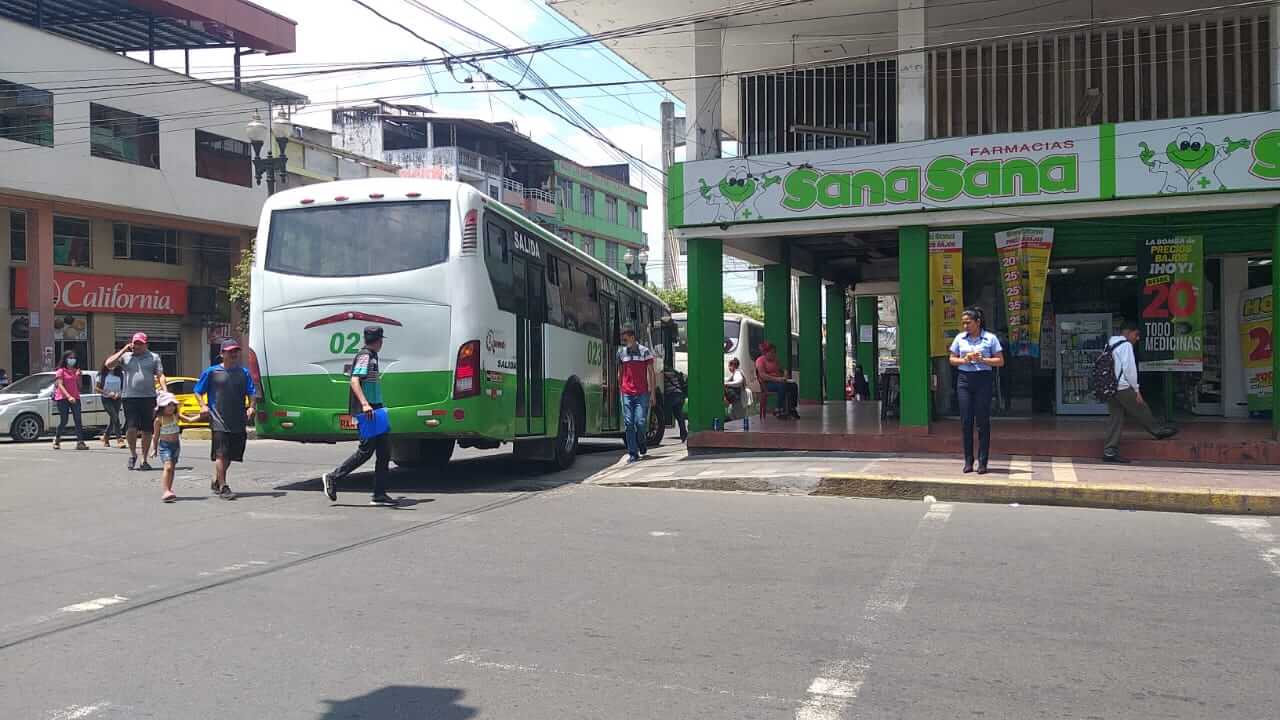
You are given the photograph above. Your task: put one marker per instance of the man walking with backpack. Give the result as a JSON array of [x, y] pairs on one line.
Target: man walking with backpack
[[1116, 382]]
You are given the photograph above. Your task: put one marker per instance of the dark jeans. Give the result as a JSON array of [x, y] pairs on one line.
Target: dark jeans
[[115, 428], [787, 394], [380, 446], [65, 407], [675, 405], [974, 389]]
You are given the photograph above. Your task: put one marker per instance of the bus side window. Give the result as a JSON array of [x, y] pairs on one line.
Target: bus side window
[[498, 260], [755, 336]]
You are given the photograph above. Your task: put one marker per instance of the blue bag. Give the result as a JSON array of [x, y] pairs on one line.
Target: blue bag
[[372, 427]]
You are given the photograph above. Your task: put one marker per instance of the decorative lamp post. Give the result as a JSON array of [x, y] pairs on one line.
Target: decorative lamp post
[[635, 265], [273, 167]]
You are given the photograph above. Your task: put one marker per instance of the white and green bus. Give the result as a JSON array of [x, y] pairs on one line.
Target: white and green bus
[[497, 330]]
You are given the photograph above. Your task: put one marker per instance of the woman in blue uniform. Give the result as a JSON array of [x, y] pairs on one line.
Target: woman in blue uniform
[[975, 352]]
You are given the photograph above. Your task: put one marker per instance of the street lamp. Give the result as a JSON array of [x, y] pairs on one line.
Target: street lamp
[[635, 264], [272, 167]]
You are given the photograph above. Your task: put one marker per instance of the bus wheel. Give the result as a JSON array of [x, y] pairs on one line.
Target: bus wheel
[[567, 434], [422, 453], [656, 429]]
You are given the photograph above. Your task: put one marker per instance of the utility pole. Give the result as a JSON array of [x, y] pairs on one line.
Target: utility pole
[[670, 246]]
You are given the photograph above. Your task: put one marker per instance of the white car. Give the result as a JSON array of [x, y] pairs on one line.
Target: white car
[[27, 409]]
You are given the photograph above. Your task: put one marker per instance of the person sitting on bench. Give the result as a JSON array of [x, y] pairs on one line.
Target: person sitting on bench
[[773, 379]]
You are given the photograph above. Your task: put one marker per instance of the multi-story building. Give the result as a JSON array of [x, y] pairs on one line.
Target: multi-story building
[[126, 191], [1066, 166], [595, 208]]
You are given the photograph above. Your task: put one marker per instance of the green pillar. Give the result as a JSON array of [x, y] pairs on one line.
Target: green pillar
[[867, 315], [836, 350], [706, 333], [1275, 325], [810, 307], [777, 310], [913, 325]]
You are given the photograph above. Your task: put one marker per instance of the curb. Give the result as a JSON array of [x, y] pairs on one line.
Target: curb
[[1222, 501]]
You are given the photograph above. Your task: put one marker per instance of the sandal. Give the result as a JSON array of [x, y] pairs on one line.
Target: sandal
[[168, 497]]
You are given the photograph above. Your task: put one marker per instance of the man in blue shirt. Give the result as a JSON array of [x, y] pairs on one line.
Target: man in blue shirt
[[227, 397]]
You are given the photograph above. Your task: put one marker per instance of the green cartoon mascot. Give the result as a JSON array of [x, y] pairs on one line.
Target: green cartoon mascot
[[1190, 162], [737, 194]]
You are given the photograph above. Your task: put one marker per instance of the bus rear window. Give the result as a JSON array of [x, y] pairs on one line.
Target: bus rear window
[[354, 240]]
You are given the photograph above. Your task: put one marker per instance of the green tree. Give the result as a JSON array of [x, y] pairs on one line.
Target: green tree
[[678, 300], [238, 288]]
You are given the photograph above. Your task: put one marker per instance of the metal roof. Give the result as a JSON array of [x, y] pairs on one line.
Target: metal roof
[[141, 25]]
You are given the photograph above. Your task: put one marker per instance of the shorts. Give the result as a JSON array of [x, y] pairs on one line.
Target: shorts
[[170, 451], [139, 413], [228, 446]]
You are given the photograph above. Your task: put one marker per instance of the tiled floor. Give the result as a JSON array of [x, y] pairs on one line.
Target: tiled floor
[[857, 426]]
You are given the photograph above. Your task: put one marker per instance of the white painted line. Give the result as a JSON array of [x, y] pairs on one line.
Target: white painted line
[[661, 473], [1064, 470], [1258, 532], [834, 690], [95, 604], [625, 473], [78, 712], [662, 533], [1020, 467], [818, 469], [710, 473]]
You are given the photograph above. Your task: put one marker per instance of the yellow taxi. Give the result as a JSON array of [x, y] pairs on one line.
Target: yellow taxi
[[188, 403]]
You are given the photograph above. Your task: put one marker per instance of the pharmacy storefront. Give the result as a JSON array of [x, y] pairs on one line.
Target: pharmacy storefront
[[1060, 235]]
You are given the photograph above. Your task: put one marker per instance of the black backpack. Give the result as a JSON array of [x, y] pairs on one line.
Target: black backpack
[[1103, 380]]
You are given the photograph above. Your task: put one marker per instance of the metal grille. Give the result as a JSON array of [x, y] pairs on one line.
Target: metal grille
[[856, 102], [1203, 66]]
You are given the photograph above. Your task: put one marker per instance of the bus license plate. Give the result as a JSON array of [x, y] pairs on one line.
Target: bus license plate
[[346, 422]]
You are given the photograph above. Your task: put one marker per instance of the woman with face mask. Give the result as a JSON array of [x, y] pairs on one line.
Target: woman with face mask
[[66, 392]]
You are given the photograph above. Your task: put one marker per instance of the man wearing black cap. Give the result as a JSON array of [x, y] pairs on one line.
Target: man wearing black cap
[[365, 397], [227, 397]]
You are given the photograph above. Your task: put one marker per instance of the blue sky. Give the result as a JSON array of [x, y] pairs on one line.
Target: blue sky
[[340, 31]]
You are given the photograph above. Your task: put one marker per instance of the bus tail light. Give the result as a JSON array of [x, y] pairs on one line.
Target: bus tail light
[[470, 232], [466, 378]]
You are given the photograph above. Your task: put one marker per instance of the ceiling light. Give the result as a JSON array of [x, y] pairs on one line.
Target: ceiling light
[[1130, 276], [1124, 268], [1114, 277], [1063, 270]]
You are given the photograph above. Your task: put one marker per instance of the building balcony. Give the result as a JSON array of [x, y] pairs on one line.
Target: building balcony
[[540, 201], [447, 163]]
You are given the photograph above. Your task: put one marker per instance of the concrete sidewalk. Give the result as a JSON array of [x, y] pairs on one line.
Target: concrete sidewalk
[[1013, 479]]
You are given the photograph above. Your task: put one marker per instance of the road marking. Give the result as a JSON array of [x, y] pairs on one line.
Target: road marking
[[1064, 470], [818, 469], [662, 533], [474, 661], [710, 473], [833, 691], [1020, 467], [1256, 531], [78, 712], [234, 568], [661, 473], [625, 473], [95, 604]]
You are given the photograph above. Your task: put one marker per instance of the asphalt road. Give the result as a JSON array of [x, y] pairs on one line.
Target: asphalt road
[[500, 592]]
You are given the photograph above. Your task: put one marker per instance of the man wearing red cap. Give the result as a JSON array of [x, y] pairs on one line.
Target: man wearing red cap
[[227, 396], [143, 371]]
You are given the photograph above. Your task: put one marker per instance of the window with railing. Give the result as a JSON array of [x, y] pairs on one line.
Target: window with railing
[[587, 200], [633, 216], [566, 192], [26, 114], [123, 136], [17, 236], [611, 209], [819, 108], [1197, 66]]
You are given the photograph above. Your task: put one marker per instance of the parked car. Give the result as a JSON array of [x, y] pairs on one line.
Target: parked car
[[27, 409], [188, 403]]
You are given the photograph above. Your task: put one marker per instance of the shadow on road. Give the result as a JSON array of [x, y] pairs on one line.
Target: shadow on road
[[405, 702], [491, 473]]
